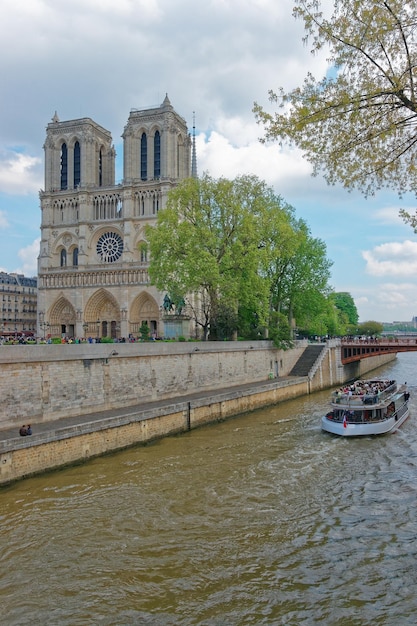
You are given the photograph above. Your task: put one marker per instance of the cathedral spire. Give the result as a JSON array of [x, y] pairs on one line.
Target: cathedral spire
[[166, 103], [194, 153]]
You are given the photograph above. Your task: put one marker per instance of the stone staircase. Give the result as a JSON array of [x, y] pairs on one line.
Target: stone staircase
[[307, 360]]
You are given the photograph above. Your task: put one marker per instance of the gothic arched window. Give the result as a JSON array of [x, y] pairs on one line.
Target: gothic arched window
[[63, 257], [100, 168], [157, 155], [64, 166], [144, 157], [77, 164], [75, 257]]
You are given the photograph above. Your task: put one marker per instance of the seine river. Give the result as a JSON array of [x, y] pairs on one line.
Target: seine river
[[263, 519]]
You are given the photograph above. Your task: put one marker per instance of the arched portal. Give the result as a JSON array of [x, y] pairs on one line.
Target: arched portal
[[144, 310], [62, 318], [102, 316]]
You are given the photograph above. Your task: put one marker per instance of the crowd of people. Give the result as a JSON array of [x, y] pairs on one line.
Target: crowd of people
[[368, 391]]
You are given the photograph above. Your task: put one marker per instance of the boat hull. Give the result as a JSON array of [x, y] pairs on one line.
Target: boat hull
[[359, 430]]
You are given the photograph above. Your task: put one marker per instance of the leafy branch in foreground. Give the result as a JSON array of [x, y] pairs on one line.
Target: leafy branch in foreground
[[358, 125]]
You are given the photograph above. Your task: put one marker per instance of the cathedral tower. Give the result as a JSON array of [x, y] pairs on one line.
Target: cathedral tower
[[92, 266]]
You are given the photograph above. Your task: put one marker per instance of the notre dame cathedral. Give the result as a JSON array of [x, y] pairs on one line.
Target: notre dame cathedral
[[92, 267]]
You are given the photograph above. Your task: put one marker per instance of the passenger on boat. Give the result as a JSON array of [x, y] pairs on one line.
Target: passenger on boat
[[23, 431], [390, 409]]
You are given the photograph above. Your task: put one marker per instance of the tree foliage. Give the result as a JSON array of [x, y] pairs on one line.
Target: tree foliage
[[235, 252], [280, 331], [206, 243], [358, 125], [345, 303], [370, 328]]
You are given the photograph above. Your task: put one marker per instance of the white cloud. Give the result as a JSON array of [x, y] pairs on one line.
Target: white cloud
[[396, 299], [20, 174], [386, 302], [4, 223], [390, 215], [392, 259], [220, 156], [214, 58], [361, 301], [29, 256]]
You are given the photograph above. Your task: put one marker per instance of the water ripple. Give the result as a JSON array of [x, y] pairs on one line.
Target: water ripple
[[259, 520]]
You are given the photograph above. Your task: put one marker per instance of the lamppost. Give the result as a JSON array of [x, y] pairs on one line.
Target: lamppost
[[85, 327], [45, 326], [98, 328]]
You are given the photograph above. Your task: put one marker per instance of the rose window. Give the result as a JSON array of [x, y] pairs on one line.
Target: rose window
[[110, 247]]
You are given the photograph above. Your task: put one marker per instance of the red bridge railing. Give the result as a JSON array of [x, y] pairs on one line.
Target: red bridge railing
[[355, 350]]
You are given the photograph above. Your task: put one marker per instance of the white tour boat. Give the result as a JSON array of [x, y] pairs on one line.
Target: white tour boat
[[367, 407]]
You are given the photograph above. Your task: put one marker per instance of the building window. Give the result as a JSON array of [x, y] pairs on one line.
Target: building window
[[143, 157], [77, 164], [157, 155], [100, 168], [64, 166], [75, 257], [63, 257], [155, 203], [110, 247]]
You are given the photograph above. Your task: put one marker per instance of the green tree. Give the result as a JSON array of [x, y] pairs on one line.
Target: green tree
[[206, 243], [370, 328], [358, 124], [299, 274], [226, 322], [308, 277], [248, 324], [236, 253], [144, 331], [280, 330], [337, 321], [345, 303]]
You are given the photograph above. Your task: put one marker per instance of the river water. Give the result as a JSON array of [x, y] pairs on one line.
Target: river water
[[263, 519]]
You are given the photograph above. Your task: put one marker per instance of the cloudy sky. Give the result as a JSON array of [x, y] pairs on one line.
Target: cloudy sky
[[101, 58]]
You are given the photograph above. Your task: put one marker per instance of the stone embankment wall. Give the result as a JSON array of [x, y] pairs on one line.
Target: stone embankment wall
[[50, 449], [64, 381], [44, 382]]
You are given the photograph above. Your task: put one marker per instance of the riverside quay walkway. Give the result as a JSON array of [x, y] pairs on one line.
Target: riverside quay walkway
[[44, 432], [358, 349], [73, 440]]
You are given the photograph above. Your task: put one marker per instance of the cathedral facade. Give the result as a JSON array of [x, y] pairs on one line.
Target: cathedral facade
[[93, 265]]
